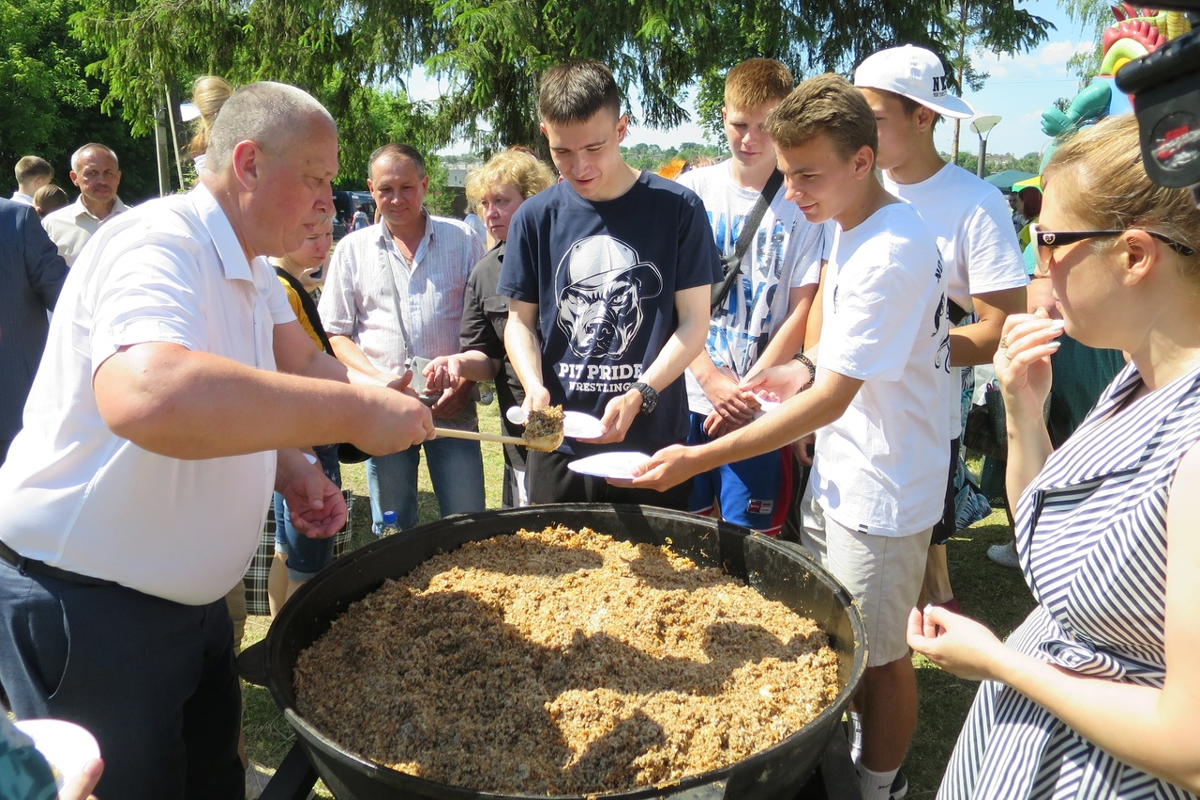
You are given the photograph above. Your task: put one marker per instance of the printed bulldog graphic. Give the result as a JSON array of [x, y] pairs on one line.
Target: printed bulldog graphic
[[600, 306]]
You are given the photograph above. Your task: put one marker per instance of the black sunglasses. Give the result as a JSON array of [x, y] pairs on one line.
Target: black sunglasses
[[1062, 238]]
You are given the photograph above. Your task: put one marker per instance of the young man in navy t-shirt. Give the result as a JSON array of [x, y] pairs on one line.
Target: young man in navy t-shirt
[[609, 274]]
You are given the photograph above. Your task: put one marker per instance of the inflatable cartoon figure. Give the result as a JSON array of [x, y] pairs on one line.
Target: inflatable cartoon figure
[[1137, 32]]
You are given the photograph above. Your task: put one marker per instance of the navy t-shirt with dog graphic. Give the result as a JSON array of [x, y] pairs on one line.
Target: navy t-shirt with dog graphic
[[604, 276]]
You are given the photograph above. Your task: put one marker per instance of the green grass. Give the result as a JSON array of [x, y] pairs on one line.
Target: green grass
[[995, 595]]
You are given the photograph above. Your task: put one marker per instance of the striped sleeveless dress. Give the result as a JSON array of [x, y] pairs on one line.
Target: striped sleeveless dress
[[1092, 541]]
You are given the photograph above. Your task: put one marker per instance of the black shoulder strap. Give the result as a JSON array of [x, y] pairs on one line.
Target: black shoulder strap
[[310, 308], [731, 266], [770, 189]]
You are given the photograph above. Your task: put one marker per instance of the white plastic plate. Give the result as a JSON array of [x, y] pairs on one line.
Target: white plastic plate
[[576, 424], [67, 746], [617, 464]]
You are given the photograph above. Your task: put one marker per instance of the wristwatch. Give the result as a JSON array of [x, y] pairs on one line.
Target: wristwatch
[[649, 396]]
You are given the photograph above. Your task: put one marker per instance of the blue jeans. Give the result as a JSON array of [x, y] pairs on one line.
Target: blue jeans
[[306, 557], [455, 467]]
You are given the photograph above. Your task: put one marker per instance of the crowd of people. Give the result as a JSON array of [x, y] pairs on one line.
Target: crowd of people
[[790, 335]]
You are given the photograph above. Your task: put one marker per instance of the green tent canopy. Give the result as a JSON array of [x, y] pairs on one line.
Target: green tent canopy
[[1004, 180]]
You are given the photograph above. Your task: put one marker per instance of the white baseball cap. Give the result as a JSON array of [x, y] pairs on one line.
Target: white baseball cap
[[915, 73]]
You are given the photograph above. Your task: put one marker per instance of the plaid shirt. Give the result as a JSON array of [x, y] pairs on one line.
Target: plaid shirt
[[255, 579]]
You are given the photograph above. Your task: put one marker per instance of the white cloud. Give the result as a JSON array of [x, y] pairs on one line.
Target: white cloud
[[1058, 53], [997, 66], [1048, 62]]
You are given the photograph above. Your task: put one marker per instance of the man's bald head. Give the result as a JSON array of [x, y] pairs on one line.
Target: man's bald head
[[271, 158], [270, 114]]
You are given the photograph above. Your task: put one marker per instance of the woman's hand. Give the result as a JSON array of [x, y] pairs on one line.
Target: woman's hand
[[1022, 362], [956, 643]]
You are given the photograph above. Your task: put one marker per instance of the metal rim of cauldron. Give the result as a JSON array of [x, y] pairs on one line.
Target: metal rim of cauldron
[[296, 613]]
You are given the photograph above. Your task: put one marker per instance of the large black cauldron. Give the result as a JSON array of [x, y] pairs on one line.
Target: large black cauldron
[[779, 571]]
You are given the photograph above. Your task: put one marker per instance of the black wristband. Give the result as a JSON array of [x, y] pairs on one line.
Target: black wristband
[[812, 371]]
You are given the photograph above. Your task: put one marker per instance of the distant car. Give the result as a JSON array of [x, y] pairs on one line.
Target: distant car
[[345, 204]]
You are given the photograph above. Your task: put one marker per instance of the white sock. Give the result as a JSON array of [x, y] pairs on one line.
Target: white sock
[[876, 785], [855, 737]]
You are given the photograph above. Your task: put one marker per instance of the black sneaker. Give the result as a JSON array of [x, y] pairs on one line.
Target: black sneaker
[[899, 786]]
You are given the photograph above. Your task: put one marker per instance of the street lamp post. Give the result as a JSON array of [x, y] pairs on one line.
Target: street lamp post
[[982, 126]]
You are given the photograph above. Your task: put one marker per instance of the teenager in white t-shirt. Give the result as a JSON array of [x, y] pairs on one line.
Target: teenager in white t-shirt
[[906, 88], [761, 321], [877, 400]]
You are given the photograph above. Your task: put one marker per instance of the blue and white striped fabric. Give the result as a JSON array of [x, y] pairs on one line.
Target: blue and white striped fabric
[[1092, 540]]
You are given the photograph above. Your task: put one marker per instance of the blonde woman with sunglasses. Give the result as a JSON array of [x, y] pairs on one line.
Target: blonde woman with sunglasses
[[1097, 694]]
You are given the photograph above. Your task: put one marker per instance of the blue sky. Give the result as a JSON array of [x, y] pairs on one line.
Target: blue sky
[[1019, 90]]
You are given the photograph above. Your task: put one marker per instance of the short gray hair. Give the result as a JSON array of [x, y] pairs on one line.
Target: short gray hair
[[269, 114], [87, 148]]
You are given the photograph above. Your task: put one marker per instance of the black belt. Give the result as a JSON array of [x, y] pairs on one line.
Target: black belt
[[29, 566]]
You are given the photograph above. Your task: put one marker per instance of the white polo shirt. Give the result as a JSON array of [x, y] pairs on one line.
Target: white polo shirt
[[78, 497], [71, 226]]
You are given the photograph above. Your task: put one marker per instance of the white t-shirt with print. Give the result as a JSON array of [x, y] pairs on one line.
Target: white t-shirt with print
[[881, 467], [784, 254], [973, 226]]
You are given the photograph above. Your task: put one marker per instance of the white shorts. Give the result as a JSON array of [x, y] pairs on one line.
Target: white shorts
[[882, 573]]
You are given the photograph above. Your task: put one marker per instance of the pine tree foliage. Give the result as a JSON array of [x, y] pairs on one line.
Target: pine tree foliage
[[488, 53]]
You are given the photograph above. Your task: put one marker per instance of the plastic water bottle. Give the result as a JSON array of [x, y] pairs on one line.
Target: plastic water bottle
[[389, 524]]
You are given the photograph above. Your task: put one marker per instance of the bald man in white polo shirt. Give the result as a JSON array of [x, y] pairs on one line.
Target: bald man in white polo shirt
[[176, 389]]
